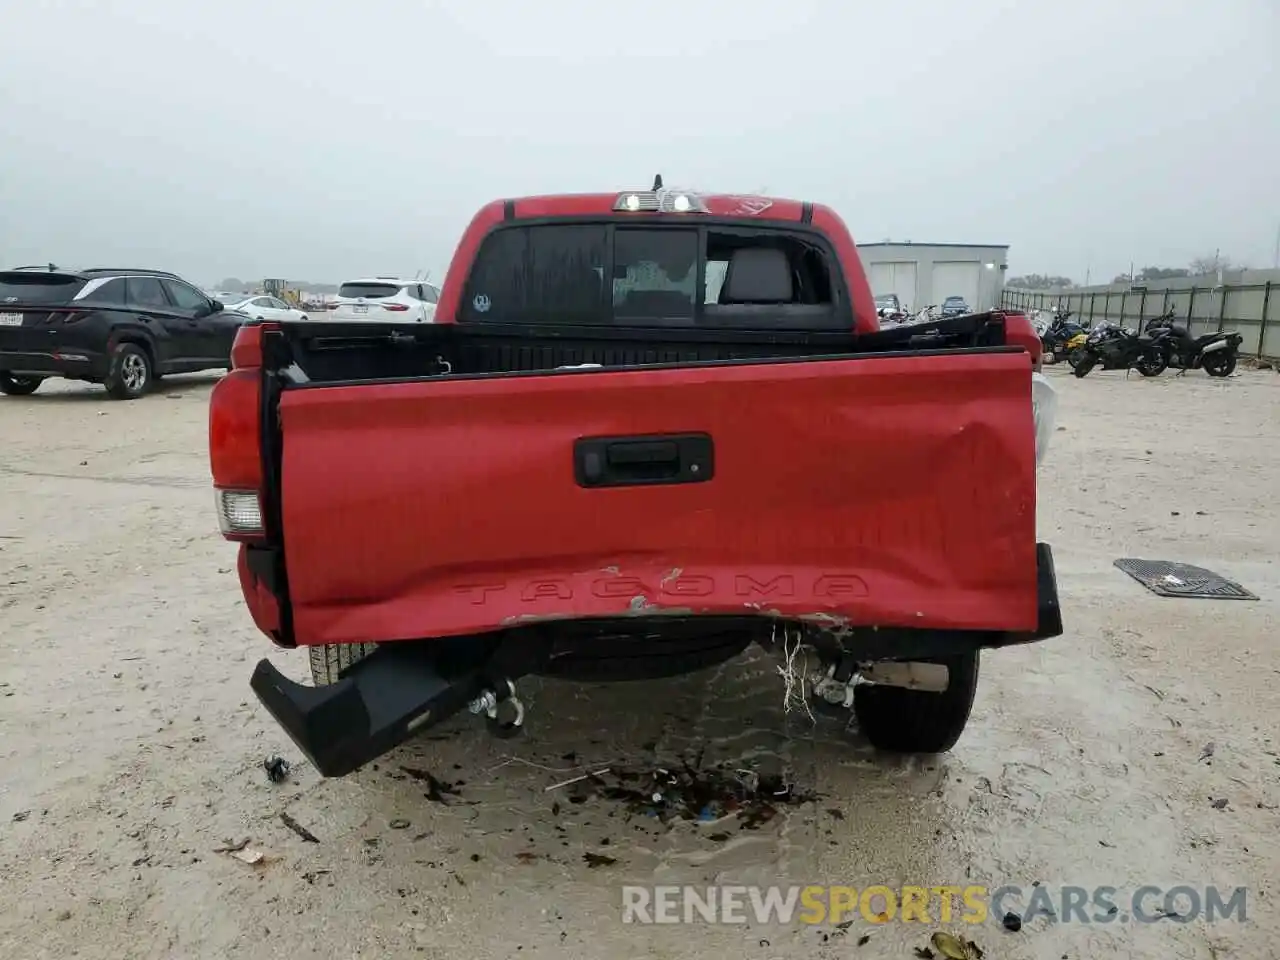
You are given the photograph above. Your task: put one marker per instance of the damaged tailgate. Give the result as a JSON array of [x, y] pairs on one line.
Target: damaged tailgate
[[863, 490]]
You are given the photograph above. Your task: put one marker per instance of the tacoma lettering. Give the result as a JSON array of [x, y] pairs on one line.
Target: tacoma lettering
[[782, 586], [835, 586], [618, 587], [547, 590], [694, 585]]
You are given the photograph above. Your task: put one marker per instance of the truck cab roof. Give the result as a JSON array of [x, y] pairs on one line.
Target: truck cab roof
[[654, 201], [799, 267]]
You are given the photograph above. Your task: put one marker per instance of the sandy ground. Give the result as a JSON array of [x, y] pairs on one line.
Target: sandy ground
[[131, 747]]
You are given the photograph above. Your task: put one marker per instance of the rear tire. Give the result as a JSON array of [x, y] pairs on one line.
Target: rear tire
[[1074, 357], [1220, 363], [1153, 365], [131, 373], [330, 659], [19, 386], [916, 721], [1082, 366]]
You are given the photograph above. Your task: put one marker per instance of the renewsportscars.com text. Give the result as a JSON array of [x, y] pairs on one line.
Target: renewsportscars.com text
[[934, 904]]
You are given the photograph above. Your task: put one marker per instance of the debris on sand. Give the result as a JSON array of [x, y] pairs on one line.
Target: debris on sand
[[277, 769], [692, 793], [298, 828], [244, 853], [438, 791], [251, 856], [953, 948], [572, 781], [593, 860]]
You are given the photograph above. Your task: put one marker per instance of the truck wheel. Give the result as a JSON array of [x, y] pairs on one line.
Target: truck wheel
[[330, 659], [19, 386], [130, 374], [916, 721]]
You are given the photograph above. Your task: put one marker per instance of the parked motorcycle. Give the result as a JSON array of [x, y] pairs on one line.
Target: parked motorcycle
[[924, 314], [888, 315], [1113, 347], [1215, 353], [1074, 347], [1061, 332]]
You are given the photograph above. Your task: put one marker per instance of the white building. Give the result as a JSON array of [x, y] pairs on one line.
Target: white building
[[927, 273]]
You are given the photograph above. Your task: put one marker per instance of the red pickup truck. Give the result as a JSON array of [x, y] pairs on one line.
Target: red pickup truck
[[646, 430]]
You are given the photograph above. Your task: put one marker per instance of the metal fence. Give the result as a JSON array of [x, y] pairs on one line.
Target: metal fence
[[1250, 309]]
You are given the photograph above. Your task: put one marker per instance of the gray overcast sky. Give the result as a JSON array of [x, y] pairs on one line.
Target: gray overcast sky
[[308, 141]]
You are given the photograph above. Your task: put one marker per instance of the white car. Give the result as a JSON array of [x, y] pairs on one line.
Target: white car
[[267, 308], [386, 299]]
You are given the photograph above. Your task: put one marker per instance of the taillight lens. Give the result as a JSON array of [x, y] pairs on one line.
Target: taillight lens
[[246, 348], [395, 307], [1044, 407], [235, 445], [239, 514]]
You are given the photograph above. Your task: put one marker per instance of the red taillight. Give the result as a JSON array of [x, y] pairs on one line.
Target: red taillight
[[395, 307], [235, 440], [246, 349]]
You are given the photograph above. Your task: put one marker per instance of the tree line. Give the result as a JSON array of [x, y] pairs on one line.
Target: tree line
[[1199, 267]]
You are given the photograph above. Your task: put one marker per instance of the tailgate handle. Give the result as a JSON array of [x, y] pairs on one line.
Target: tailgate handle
[[635, 452], [641, 461]]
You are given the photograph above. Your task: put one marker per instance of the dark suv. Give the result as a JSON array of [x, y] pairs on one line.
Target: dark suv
[[120, 328]]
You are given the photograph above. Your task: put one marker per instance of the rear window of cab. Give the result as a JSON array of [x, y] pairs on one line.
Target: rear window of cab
[[642, 275]]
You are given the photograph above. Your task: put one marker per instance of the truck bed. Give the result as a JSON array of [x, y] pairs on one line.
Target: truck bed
[[330, 353]]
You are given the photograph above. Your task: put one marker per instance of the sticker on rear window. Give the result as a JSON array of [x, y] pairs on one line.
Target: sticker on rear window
[[481, 303]]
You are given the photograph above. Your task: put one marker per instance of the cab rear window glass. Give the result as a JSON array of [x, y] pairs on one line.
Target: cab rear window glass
[[370, 291], [565, 273], [17, 287]]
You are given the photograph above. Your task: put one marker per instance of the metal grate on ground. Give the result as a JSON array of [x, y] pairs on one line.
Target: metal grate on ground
[[1165, 578]]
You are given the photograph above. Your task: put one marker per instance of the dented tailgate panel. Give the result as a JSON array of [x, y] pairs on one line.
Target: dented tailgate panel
[[892, 491]]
